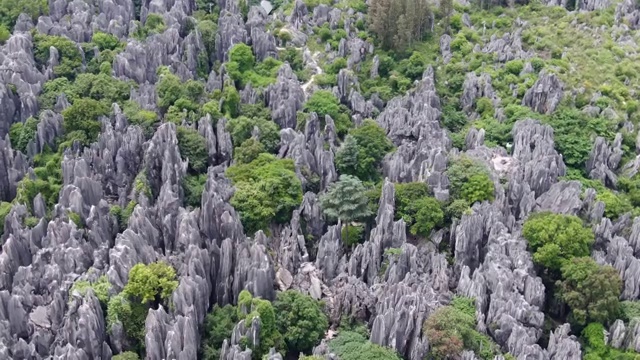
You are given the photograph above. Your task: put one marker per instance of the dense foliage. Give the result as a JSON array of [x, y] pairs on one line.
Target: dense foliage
[[555, 239], [469, 180], [592, 291], [300, 319], [267, 189], [362, 151], [451, 329], [354, 346]]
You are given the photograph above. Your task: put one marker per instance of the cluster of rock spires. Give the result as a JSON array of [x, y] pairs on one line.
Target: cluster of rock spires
[[394, 292]]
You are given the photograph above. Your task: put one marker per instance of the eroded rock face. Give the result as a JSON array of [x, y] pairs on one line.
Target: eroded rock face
[[508, 293], [604, 160], [285, 98], [545, 95], [412, 123]]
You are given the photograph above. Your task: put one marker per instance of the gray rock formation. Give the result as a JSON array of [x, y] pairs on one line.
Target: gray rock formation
[[475, 87], [285, 98], [604, 160], [545, 95], [508, 293], [412, 123]]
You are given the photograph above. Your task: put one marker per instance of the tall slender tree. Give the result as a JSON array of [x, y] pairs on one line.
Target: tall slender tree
[[346, 200]]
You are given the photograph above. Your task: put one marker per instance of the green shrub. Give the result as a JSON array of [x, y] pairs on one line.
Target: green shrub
[[350, 345], [300, 320], [153, 282], [100, 288], [592, 291], [363, 150], [193, 147], [555, 239], [5, 208], [83, 116], [21, 134], [131, 315], [267, 189], [218, 325], [615, 204], [514, 66], [248, 151], [241, 130], [127, 355], [352, 235], [105, 41], [193, 186], [70, 57], [469, 180]]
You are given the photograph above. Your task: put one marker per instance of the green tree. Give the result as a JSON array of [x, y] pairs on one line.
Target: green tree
[[363, 150], [231, 103], [248, 151], [477, 188], [592, 291], [127, 355], [349, 345], [151, 283], [83, 116], [105, 41], [130, 314], [347, 156], [193, 147], [300, 320], [241, 129], [323, 102], [346, 200], [242, 55], [70, 56], [267, 189], [451, 329], [469, 180], [218, 325], [428, 215], [555, 239], [11, 9], [22, 133], [169, 90]]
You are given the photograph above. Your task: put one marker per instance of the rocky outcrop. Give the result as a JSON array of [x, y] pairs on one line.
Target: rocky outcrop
[[537, 165], [476, 87], [308, 152], [412, 123], [545, 95], [604, 160], [506, 48], [13, 166], [285, 98], [508, 293], [562, 345]]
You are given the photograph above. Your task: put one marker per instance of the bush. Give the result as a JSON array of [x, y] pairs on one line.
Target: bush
[[131, 315], [592, 291], [363, 150], [469, 180], [614, 204], [70, 57], [11, 9], [218, 326], [5, 208], [193, 186], [241, 129], [350, 345], [105, 41], [629, 310], [267, 189], [100, 288], [151, 283], [83, 116], [555, 239], [514, 66], [427, 215], [248, 151], [451, 329], [193, 147], [21, 134], [300, 320], [352, 235], [169, 90], [127, 355]]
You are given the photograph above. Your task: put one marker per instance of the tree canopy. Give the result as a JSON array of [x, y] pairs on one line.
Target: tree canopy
[[555, 239], [267, 189], [592, 291], [300, 319]]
